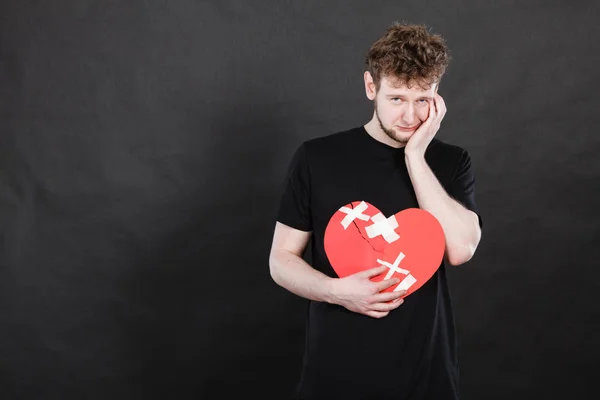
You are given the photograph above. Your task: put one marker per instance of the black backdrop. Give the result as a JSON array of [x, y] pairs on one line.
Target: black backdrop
[[143, 146]]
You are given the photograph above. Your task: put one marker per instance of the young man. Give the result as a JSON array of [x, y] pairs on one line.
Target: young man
[[363, 341]]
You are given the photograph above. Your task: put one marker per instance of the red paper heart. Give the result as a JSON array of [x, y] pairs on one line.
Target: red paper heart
[[410, 243]]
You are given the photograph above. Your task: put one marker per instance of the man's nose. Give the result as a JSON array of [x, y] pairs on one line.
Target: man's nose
[[409, 116]]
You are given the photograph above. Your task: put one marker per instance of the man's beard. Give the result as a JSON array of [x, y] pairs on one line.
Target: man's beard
[[391, 134]]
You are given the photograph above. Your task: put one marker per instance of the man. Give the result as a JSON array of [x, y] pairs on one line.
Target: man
[[363, 341]]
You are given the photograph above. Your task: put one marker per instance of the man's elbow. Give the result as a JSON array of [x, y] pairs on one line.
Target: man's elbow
[[463, 253], [276, 260], [456, 258], [273, 271]]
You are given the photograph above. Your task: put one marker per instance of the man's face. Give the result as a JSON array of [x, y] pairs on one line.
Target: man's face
[[401, 110]]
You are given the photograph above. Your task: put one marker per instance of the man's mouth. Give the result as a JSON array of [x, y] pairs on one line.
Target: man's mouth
[[407, 129]]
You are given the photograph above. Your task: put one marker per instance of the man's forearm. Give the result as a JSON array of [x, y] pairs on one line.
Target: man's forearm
[[460, 225], [296, 275]]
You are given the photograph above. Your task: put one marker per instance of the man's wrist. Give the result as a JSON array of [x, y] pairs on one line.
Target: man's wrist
[[330, 290], [414, 157]]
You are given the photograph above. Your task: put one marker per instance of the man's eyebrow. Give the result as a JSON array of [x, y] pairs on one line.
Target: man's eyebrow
[[403, 96]]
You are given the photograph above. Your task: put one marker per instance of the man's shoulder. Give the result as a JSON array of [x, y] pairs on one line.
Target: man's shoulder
[[442, 146], [331, 141], [439, 149]]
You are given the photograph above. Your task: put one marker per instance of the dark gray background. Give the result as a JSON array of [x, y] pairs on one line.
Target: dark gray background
[[143, 146]]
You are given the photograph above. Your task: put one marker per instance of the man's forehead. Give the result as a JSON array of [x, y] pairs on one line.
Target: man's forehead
[[397, 85]]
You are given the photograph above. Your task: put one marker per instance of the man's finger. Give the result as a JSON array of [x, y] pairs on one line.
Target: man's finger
[[386, 306], [431, 112], [387, 296], [377, 314], [433, 108], [441, 105], [374, 271], [386, 283]]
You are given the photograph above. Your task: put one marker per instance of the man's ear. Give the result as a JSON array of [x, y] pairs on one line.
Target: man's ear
[[370, 89]]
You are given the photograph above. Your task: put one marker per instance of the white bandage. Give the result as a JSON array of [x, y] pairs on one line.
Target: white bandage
[[384, 227], [406, 282], [394, 267], [354, 213]]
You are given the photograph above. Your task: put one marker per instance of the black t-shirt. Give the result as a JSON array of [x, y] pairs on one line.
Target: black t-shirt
[[410, 353]]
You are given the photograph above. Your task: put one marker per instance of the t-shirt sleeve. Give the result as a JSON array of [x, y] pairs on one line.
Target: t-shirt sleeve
[[294, 207], [463, 185]]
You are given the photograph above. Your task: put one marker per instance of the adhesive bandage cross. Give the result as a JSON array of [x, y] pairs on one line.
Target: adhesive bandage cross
[[384, 227], [406, 282], [353, 213]]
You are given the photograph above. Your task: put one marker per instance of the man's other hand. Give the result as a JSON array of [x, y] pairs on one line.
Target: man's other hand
[[358, 293]]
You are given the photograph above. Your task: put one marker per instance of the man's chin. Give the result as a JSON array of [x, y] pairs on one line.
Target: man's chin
[[400, 136]]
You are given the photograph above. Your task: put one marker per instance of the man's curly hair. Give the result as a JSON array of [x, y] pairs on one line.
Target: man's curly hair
[[409, 55]]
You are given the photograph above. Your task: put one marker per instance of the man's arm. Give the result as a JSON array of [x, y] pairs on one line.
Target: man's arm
[[460, 225], [290, 271], [356, 292]]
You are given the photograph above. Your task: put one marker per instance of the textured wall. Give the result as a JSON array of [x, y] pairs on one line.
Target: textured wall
[[142, 150]]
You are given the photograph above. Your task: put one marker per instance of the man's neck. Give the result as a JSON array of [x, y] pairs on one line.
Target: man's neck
[[374, 130]]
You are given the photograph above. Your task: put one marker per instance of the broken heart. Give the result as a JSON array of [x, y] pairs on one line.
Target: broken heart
[[409, 243]]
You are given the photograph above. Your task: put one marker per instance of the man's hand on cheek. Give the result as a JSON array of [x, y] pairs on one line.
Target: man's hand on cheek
[[418, 142]]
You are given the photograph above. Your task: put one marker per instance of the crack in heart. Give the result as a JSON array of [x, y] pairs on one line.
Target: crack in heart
[[359, 232]]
